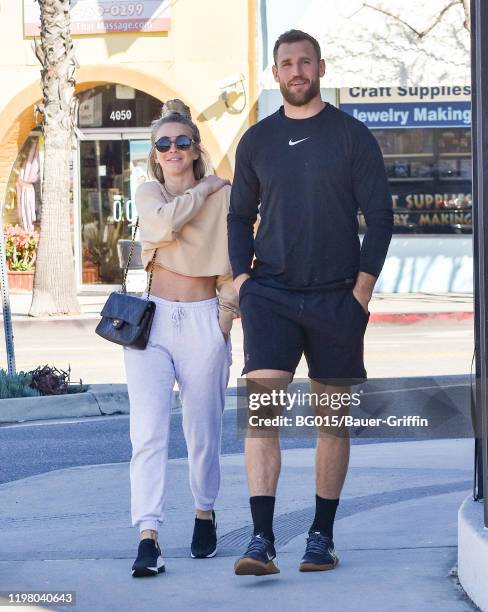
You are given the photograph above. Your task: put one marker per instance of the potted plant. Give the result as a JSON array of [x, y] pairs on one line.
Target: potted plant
[[91, 267], [20, 253]]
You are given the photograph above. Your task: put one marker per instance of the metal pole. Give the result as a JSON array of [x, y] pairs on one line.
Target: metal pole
[[7, 315], [479, 76], [476, 398]]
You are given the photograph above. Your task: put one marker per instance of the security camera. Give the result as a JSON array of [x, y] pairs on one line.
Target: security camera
[[230, 81]]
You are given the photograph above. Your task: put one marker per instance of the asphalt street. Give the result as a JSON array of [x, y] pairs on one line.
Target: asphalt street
[[37, 447], [420, 349]]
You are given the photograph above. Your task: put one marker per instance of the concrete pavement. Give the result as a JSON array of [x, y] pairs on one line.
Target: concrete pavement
[[395, 535]]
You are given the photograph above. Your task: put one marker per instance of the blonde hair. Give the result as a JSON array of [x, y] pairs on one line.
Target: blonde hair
[[176, 111]]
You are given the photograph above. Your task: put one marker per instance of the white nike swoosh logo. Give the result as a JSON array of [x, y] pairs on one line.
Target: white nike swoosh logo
[[294, 142]]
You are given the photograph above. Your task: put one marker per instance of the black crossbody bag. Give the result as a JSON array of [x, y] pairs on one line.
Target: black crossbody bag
[[126, 319]]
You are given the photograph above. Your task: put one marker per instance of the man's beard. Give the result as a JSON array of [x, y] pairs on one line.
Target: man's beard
[[300, 98]]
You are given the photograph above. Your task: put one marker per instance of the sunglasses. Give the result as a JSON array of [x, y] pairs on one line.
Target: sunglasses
[[182, 142]]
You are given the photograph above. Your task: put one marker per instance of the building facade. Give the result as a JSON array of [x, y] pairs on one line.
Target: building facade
[[404, 70], [132, 57]]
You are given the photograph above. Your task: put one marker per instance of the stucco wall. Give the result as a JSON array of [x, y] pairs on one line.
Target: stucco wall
[[208, 41]]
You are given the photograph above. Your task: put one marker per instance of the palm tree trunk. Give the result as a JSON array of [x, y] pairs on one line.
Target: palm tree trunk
[[54, 282]]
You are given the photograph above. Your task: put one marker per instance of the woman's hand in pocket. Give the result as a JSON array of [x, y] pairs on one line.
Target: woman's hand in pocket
[[239, 281], [225, 322]]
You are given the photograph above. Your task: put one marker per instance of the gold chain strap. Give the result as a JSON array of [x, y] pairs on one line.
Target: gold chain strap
[[124, 281]]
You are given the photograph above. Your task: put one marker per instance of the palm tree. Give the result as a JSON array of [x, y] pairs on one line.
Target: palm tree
[[54, 283]]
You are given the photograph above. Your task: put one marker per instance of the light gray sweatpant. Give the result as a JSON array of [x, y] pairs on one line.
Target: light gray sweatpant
[[186, 345]]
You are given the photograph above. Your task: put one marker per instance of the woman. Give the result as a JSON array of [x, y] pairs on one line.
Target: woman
[[183, 225]]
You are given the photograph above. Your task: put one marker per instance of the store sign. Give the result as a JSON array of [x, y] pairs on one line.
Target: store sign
[[432, 201], [427, 212], [107, 16], [408, 107]]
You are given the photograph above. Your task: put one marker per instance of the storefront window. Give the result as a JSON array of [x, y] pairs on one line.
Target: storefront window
[[110, 172], [429, 171], [23, 196], [112, 165], [424, 134]]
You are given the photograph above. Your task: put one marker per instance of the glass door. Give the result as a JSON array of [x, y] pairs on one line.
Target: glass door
[[111, 167]]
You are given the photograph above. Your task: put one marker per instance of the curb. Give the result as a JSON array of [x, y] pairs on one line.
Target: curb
[[20, 409], [415, 317], [99, 400], [473, 552]]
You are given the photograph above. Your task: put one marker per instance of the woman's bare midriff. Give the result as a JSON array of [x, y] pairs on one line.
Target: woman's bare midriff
[[180, 288]]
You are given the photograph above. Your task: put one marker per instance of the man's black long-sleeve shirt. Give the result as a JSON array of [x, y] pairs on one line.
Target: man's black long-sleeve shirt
[[307, 178]]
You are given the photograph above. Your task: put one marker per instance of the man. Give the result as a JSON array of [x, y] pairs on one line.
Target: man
[[306, 169]]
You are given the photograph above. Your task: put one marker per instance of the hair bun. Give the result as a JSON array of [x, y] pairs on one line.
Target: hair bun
[[175, 107]]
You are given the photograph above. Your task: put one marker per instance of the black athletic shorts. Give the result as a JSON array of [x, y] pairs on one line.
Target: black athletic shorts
[[327, 326]]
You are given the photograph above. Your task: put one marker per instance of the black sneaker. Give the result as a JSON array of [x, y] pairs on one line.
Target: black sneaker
[[204, 541], [258, 558], [319, 553], [149, 561]]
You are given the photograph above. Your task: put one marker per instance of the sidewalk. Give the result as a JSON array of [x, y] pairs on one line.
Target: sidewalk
[[384, 307], [395, 535]]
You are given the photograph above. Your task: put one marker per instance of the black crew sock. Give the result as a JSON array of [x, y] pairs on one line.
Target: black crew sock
[[262, 510], [325, 510]]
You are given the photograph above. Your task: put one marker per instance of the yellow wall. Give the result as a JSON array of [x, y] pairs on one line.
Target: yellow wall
[[208, 41]]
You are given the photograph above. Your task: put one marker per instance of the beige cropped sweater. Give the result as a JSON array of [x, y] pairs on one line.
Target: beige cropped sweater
[[190, 233]]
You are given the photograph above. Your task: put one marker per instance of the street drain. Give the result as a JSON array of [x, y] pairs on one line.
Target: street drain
[[292, 524]]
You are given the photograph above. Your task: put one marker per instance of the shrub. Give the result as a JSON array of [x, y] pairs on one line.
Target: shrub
[[45, 380], [16, 385], [48, 380]]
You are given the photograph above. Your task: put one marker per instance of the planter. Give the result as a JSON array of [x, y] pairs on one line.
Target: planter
[[96, 401], [20, 409], [91, 273], [21, 282]]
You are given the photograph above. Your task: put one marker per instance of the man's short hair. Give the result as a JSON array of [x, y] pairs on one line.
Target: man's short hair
[[292, 36]]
